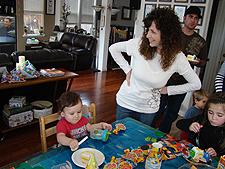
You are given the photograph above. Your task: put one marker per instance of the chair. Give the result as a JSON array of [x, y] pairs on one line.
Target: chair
[[52, 130]]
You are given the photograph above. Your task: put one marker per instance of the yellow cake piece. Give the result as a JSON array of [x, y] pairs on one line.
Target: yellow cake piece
[[85, 156], [191, 57]]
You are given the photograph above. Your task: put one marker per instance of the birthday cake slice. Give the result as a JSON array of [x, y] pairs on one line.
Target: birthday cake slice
[[191, 57], [85, 156]]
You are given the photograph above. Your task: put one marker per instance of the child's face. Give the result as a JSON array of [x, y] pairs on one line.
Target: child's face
[[216, 114], [201, 104], [72, 114]]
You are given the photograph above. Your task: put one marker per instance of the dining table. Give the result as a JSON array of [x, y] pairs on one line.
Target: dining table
[[133, 136]]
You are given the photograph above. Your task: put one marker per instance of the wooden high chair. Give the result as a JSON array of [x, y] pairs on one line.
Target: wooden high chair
[[44, 133]]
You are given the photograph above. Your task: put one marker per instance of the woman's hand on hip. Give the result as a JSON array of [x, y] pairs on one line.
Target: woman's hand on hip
[[164, 90], [128, 77]]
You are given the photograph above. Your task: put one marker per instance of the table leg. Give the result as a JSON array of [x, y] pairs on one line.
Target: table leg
[[70, 84], [3, 136]]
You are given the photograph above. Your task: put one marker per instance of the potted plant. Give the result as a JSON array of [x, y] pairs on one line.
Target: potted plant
[[25, 30], [41, 30]]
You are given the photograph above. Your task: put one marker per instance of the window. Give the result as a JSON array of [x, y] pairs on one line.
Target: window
[[85, 17], [33, 16]]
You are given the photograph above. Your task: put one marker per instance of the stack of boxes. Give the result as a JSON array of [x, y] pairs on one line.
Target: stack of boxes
[[17, 112]]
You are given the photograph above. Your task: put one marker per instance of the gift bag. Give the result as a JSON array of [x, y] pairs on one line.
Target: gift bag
[[28, 70], [16, 76]]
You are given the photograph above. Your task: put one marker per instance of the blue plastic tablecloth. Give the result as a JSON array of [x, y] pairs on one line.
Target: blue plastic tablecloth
[[133, 136]]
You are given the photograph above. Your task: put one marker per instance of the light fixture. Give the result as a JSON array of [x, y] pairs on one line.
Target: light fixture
[[97, 8], [114, 9]]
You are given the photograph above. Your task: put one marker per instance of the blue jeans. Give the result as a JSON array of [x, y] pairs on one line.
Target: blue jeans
[[173, 104], [145, 118], [162, 106]]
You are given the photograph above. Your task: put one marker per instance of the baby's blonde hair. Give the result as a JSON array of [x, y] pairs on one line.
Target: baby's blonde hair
[[200, 94]]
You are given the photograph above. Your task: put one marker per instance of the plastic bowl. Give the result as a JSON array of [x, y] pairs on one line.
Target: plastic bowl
[[197, 165]]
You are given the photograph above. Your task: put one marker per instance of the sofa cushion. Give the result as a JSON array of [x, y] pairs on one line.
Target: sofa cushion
[[68, 38], [66, 47], [82, 41], [6, 61]]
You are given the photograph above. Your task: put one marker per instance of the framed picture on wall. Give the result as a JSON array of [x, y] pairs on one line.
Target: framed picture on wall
[[202, 8], [180, 10], [50, 7], [198, 1], [149, 8], [126, 13], [164, 6], [151, 0], [180, 0], [52, 39]]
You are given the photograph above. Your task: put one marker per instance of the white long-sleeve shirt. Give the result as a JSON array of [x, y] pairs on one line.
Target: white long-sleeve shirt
[[148, 77]]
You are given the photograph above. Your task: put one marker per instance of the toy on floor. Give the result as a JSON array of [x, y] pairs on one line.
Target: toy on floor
[[119, 127], [100, 134]]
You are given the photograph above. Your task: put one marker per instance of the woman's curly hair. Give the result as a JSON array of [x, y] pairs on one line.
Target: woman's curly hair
[[168, 24]]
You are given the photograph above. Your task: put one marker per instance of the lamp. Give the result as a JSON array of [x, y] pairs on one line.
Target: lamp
[[97, 8], [56, 28], [114, 9]]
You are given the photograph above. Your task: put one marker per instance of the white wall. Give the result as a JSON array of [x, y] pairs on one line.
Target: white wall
[[217, 49], [119, 21], [203, 28]]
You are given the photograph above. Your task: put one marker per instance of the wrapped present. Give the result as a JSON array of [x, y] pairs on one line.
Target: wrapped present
[[6, 76], [28, 70], [16, 76]]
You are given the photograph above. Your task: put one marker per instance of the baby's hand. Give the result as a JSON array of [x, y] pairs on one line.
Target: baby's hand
[[107, 126], [73, 144], [211, 152], [195, 127]]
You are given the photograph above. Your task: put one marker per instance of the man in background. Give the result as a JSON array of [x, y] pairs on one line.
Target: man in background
[[7, 31], [193, 44]]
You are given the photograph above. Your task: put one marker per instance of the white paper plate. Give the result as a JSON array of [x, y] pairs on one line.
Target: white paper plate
[[76, 156], [193, 60]]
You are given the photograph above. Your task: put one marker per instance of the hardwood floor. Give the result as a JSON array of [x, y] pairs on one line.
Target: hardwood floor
[[97, 87], [94, 87]]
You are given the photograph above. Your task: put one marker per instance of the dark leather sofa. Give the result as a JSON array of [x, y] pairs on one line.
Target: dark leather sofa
[[80, 46], [5, 60], [46, 58]]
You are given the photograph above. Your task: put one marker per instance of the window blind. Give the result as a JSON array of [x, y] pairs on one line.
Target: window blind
[[86, 15], [33, 6], [87, 11]]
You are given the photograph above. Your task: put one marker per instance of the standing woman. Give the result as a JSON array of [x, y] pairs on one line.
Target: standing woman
[[154, 58]]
